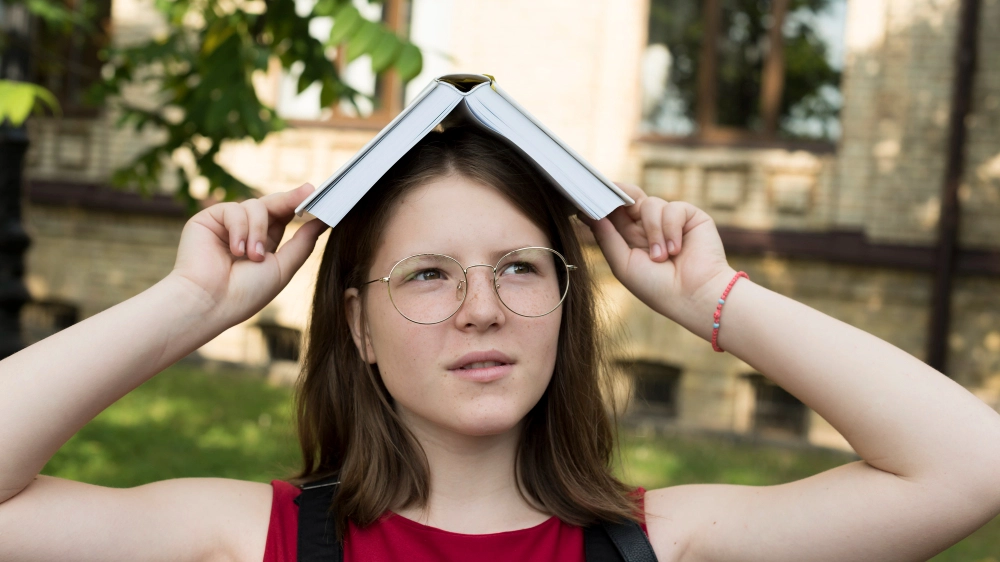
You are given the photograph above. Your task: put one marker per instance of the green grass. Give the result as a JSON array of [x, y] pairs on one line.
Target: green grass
[[183, 423], [667, 461], [186, 422]]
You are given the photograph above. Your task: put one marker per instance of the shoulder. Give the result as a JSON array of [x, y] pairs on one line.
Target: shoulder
[[188, 518], [673, 515], [237, 512]]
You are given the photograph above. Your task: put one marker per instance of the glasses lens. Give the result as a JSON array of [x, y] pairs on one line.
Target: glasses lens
[[427, 288], [532, 281]]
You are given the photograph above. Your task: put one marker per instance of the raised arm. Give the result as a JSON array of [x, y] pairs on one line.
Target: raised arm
[[931, 450], [49, 390]]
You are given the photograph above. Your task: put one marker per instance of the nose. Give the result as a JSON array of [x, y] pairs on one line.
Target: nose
[[482, 307]]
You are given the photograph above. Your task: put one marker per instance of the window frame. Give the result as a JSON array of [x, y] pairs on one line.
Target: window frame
[[707, 131], [396, 17], [78, 53]]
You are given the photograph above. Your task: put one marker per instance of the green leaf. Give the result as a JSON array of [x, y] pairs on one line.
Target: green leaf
[[345, 23], [325, 7], [46, 97], [217, 33], [18, 98], [410, 62], [328, 94], [363, 40], [305, 80], [388, 47]]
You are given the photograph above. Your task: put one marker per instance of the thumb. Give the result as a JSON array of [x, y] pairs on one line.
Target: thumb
[[293, 253], [613, 246]]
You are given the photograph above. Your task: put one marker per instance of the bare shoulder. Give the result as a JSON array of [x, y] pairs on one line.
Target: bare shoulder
[[672, 517], [184, 519], [851, 512]]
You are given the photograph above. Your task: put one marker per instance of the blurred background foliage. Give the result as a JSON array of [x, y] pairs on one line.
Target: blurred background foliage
[[201, 70]]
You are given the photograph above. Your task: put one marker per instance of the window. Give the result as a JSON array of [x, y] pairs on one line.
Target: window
[[66, 63], [731, 69], [283, 343], [776, 412], [41, 319], [655, 387], [386, 91]]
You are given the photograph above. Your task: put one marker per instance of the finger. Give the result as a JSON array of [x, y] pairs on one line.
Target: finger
[[234, 220], [652, 224], [675, 216], [630, 229], [637, 194], [281, 206], [258, 216], [293, 254], [632, 190], [622, 221], [612, 245]]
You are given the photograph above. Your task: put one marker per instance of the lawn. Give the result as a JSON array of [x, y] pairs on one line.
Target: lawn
[[186, 422]]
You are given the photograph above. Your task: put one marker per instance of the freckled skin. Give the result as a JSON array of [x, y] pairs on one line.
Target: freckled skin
[[474, 224]]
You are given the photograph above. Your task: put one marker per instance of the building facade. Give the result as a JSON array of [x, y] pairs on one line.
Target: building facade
[[839, 211]]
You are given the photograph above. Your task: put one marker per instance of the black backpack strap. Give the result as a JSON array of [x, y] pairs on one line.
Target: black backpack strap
[[617, 542], [603, 542], [317, 539]]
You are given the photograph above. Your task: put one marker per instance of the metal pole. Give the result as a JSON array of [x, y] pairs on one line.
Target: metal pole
[[13, 145], [947, 246]]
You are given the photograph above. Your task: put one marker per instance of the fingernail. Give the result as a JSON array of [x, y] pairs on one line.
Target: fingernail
[[656, 251], [670, 247], [260, 248], [243, 246]]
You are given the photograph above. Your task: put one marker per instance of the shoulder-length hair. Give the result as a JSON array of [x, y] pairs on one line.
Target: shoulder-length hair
[[346, 422]]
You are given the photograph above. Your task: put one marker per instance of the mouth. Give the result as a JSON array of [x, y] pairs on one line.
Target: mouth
[[482, 366]]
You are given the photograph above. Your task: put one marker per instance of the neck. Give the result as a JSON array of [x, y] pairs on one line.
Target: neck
[[473, 486]]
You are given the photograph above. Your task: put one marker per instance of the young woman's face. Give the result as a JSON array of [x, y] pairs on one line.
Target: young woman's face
[[421, 365]]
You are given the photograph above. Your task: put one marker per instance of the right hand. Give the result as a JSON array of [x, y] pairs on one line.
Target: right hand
[[218, 252]]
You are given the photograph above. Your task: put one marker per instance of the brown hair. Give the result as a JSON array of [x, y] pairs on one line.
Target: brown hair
[[347, 425]]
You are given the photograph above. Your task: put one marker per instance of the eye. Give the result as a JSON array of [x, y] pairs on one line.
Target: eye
[[518, 268], [426, 275]]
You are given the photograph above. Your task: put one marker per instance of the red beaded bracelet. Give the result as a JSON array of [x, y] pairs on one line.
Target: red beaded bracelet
[[717, 317]]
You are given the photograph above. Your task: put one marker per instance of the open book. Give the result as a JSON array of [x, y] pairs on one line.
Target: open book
[[475, 98]]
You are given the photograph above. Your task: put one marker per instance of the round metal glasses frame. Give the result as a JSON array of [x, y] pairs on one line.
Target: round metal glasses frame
[[465, 282]]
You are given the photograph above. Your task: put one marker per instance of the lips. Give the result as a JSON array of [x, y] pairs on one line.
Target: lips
[[480, 360], [482, 366]]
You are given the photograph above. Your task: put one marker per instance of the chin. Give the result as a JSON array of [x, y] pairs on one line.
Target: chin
[[478, 424]]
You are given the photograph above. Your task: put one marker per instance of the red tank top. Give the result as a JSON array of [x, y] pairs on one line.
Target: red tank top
[[395, 538]]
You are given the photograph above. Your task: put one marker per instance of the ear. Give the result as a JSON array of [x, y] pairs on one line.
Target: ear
[[362, 339]]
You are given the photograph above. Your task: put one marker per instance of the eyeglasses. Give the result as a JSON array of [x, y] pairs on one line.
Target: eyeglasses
[[430, 288]]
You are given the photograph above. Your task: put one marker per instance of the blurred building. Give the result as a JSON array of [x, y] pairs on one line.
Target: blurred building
[[820, 144]]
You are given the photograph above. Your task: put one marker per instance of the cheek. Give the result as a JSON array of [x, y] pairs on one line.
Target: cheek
[[539, 342], [402, 348], [410, 356]]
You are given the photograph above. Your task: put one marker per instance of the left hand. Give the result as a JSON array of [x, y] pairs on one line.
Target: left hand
[[669, 255]]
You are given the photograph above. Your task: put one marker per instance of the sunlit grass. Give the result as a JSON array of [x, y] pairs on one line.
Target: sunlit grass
[[186, 422], [656, 462], [182, 423]]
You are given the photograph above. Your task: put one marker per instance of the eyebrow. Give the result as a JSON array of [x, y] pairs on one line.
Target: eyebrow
[[494, 256]]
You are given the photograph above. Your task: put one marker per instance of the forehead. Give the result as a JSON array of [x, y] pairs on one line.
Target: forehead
[[460, 217]]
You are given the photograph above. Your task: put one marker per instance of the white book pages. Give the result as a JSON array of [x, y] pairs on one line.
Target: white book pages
[[588, 188], [486, 106], [357, 176]]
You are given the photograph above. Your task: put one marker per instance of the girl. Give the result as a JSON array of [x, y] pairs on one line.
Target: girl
[[452, 384]]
